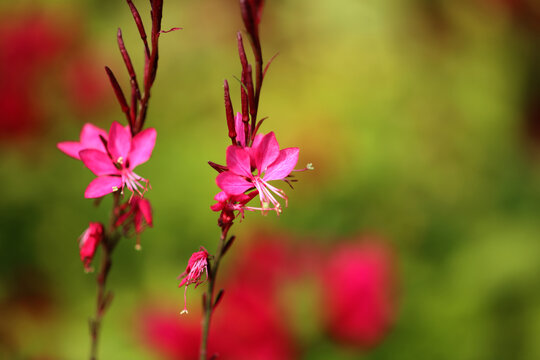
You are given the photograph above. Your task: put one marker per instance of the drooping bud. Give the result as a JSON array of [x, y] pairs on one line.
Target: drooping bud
[[88, 243], [229, 112], [197, 265]]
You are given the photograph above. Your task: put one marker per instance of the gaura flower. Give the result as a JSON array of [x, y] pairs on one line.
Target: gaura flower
[[197, 264], [137, 212], [114, 167], [90, 138], [88, 243], [270, 163]]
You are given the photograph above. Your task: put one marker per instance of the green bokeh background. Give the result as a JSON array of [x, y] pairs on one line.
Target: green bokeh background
[[412, 113]]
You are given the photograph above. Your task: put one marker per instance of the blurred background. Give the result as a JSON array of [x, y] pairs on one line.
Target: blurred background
[[416, 237]]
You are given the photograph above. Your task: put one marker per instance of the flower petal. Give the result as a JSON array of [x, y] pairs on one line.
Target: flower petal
[[266, 151], [284, 164], [141, 147], [119, 143], [238, 161], [232, 184], [221, 196], [90, 137], [71, 148], [239, 127], [98, 162], [102, 185], [146, 210]]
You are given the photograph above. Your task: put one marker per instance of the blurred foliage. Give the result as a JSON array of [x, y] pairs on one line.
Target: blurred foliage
[[416, 115]]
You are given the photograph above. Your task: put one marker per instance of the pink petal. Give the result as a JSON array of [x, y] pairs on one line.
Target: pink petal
[[283, 165], [98, 162], [90, 137], [239, 127], [102, 185], [146, 210], [266, 152], [232, 184], [254, 146], [217, 206], [119, 141], [221, 196], [70, 148], [141, 147], [238, 161]]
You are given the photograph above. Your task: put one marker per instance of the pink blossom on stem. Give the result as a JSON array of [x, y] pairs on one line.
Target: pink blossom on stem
[[114, 167], [197, 265], [270, 162], [88, 243]]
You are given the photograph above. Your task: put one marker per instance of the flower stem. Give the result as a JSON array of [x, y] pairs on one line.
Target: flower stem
[[104, 298], [208, 300]]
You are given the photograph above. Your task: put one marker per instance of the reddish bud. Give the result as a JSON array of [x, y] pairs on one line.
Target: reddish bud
[[229, 112]]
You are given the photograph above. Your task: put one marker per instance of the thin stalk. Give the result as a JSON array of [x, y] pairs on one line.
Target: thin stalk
[[104, 298], [209, 302]]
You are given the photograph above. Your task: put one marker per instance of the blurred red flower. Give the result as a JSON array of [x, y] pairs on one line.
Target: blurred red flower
[[42, 57], [30, 43], [359, 292], [247, 326]]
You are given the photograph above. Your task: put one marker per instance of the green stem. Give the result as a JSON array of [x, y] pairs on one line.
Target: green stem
[[103, 298], [210, 301]]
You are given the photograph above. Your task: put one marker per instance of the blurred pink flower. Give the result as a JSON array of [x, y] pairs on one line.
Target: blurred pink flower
[[31, 44], [85, 85], [359, 293], [197, 265], [114, 164], [88, 243], [247, 327], [270, 162]]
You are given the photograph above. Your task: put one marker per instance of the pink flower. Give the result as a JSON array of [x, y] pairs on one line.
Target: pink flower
[[137, 212], [91, 137], [359, 284], [88, 243], [115, 162], [228, 204], [197, 264], [270, 162]]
